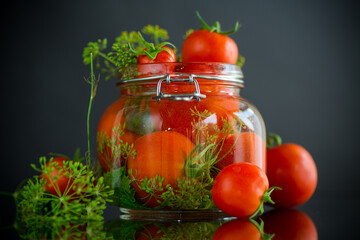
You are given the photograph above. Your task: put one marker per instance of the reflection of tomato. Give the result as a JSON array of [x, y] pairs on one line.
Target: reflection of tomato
[[289, 224], [159, 153], [57, 181], [244, 147], [148, 232], [237, 229], [291, 168], [112, 117], [238, 189]]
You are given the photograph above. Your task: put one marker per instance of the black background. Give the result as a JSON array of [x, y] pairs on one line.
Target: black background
[[301, 71]]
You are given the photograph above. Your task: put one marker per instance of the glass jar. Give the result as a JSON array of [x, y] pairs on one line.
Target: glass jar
[[174, 127]]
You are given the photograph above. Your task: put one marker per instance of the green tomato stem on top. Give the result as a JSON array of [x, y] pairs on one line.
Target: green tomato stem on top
[[273, 139], [151, 50], [217, 27]]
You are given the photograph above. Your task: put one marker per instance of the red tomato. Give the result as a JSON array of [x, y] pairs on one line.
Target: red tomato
[[159, 154], [162, 57], [112, 117], [244, 147], [57, 182], [291, 168], [237, 229], [289, 224], [206, 46], [238, 189], [150, 67], [179, 116]]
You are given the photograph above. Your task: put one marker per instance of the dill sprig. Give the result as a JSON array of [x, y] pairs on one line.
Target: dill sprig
[[43, 215], [157, 34], [93, 88], [121, 55], [119, 149]]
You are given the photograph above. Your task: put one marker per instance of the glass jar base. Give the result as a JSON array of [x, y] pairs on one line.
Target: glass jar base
[[173, 215]]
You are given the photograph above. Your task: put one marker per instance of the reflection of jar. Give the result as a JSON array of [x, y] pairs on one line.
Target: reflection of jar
[[174, 127]]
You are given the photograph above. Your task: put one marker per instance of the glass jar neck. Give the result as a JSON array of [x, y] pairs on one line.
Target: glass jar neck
[[180, 90], [181, 81]]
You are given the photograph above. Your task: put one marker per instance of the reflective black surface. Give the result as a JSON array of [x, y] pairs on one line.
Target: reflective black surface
[[320, 218]]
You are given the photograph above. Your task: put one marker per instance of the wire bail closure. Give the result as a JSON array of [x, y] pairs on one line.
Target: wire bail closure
[[180, 96], [159, 74]]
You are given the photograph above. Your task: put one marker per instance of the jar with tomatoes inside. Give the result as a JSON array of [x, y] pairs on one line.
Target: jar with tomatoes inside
[[174, 127]]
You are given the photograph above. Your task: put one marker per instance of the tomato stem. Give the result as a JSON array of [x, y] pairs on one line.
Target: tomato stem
[[273, 138], [151, 50], [216, 26], [265, 198]]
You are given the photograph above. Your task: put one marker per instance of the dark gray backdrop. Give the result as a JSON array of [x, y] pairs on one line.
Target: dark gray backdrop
[[301, 71]]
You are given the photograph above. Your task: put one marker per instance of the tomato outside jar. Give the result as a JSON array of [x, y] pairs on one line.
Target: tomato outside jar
[[174, 127]]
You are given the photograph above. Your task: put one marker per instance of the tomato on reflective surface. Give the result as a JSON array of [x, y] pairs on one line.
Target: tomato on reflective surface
[[289, 224], [238, 189], [292, 168], [158, 154], [237, 229]]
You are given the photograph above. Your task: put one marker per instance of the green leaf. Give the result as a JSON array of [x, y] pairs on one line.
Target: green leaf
[[124, 194]]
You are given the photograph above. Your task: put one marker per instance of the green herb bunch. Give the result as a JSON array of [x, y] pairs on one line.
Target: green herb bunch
[[124, 50], [42, 215]]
